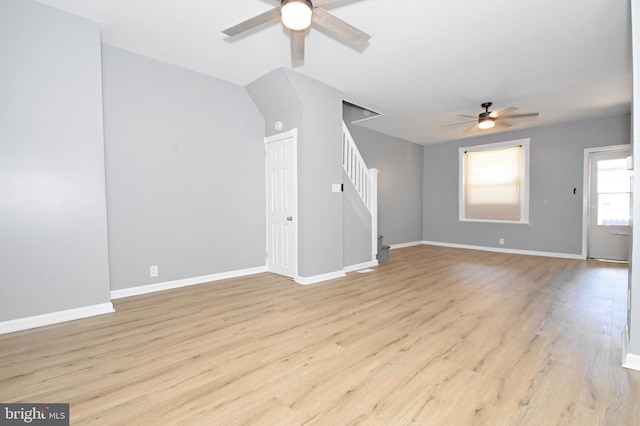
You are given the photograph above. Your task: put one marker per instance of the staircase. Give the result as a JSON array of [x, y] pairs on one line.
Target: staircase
[[365, 181]]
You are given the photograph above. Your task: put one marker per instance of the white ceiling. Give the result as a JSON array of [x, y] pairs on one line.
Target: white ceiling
[[427, 60]]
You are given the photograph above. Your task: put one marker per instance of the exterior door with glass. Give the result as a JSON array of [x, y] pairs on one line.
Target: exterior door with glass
[[609, 205]]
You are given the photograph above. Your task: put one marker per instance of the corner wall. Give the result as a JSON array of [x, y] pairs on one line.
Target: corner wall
[[185, 173], [556, 168], [53, 227], [399, 183], [315, 109], [320, 166]]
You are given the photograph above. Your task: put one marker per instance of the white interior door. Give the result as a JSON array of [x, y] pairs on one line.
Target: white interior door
[[609, 205], [282, 220]]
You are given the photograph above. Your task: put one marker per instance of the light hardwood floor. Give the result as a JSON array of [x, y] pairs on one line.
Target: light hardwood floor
[[435, 336]]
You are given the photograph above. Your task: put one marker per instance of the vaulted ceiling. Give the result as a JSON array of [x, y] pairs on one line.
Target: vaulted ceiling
[[426, 62]]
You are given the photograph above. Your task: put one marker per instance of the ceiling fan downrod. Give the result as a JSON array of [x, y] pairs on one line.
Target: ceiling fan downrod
[[486, 107]]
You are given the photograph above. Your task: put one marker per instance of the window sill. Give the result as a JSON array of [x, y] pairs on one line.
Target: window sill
[[514, 222]]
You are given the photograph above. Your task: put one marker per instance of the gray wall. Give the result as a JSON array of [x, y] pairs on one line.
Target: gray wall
[[276, 100], [185, 172], [357, 226], [353, 113], [556, 167], [633, 315], [315, 110], [320, 166], [53, 227], [399, 183]]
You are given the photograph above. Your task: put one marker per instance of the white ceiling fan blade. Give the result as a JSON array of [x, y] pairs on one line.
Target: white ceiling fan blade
[[268, 16], [297, 46], [472, 128], [338, 28], [318, 3], [459, 124], [529, 115], [502, 112], [499, 124]]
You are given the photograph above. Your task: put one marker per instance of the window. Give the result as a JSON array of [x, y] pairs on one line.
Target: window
[[494, 182]]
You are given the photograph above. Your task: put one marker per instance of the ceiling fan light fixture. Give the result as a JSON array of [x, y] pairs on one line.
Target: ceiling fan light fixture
[[296, 14], [486, 123]]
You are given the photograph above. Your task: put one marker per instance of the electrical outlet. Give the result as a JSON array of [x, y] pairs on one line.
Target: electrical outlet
[[153, 271], [501, 241]]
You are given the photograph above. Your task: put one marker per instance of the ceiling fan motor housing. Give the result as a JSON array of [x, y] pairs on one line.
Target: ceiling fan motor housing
[[296, 14], [283, 2], [485, 121], [486, 112]]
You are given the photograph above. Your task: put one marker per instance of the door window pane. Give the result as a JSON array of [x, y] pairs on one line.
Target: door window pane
[[614, 186]]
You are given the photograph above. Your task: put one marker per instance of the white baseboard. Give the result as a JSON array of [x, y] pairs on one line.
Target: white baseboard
[[55, 318], [506, 250], [359, 266], [320, 278], [632, 362], [403, 245], [169, 285], [629, 360]]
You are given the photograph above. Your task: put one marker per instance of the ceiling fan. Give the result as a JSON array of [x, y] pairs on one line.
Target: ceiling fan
[[493, 119], [297, 16]]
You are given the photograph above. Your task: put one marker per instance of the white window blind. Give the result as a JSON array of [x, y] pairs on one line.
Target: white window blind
[[494, 183]]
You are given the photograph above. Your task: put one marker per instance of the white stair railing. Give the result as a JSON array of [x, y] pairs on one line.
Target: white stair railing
[[365, 181]]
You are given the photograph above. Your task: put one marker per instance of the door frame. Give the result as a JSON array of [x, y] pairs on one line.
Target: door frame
[[293, 134], [586, 190]]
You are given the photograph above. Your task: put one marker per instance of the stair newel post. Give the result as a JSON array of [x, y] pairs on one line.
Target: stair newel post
[[372, 201]]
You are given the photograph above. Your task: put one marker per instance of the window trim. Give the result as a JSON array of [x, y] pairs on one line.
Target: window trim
[[524, 184]]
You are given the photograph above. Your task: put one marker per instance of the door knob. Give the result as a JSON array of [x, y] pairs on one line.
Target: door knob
[[290, 218]]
